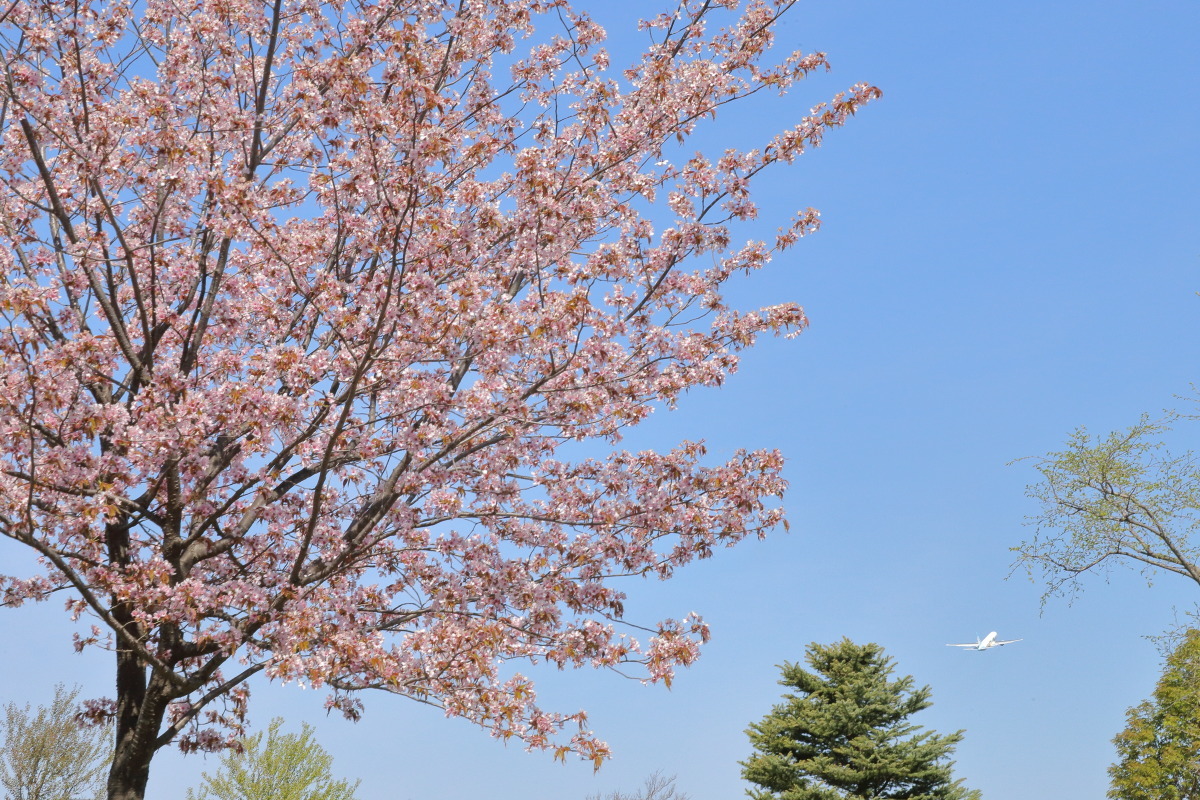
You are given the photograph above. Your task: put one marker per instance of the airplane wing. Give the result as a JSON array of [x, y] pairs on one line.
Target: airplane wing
[[1006, 641], [968, 644]]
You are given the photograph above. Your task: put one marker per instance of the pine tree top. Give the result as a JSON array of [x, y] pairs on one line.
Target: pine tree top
[[843, 732]]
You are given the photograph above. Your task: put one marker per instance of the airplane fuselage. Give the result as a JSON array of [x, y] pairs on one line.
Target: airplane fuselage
[[986, 643]]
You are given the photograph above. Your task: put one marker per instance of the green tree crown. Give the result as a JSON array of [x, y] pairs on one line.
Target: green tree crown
[[843, 732], [1158, 753], [49, 755], [276, 766], [1119, 499]]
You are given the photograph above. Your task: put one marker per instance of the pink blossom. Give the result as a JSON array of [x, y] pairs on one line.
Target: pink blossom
[[301, 303]]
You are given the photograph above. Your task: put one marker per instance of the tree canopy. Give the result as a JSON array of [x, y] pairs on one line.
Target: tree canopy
[[1119, 499], [46, 754], [300, 303], [273, 765], [1158, 753], [842, 733]]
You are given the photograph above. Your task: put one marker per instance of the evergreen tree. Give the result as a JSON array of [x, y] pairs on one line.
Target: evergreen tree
[[286, 766], [843, 732], [1158, 753]]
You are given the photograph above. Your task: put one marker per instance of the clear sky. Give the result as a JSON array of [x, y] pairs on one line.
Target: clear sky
[[1010, 250]]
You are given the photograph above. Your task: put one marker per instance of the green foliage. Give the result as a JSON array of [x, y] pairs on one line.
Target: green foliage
[[1118, 499], [1158, 753], [843, 733], [49, 755], [286, 766]]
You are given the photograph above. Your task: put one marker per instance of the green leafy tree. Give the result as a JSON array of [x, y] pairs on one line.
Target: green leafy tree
[[843, 732], [1158, 753], [49, 755], [1119, 499], [276, 766]]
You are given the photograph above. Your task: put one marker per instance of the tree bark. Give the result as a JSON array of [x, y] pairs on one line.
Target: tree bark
[[131, 760], [135, 732]]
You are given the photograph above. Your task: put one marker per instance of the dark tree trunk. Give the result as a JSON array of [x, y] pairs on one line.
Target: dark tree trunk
[[140, 707], [131, 759], [142, 700]]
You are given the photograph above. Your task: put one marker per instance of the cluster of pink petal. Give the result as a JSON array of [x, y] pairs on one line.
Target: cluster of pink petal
[[300, 307]]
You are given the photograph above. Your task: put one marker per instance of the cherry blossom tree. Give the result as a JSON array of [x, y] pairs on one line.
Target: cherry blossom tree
[[305, 308]]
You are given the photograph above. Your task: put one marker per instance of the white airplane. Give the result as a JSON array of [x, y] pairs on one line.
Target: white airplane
[[986, 642]]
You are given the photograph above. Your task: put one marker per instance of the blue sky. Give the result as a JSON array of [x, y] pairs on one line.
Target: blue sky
[[1009, 251]]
